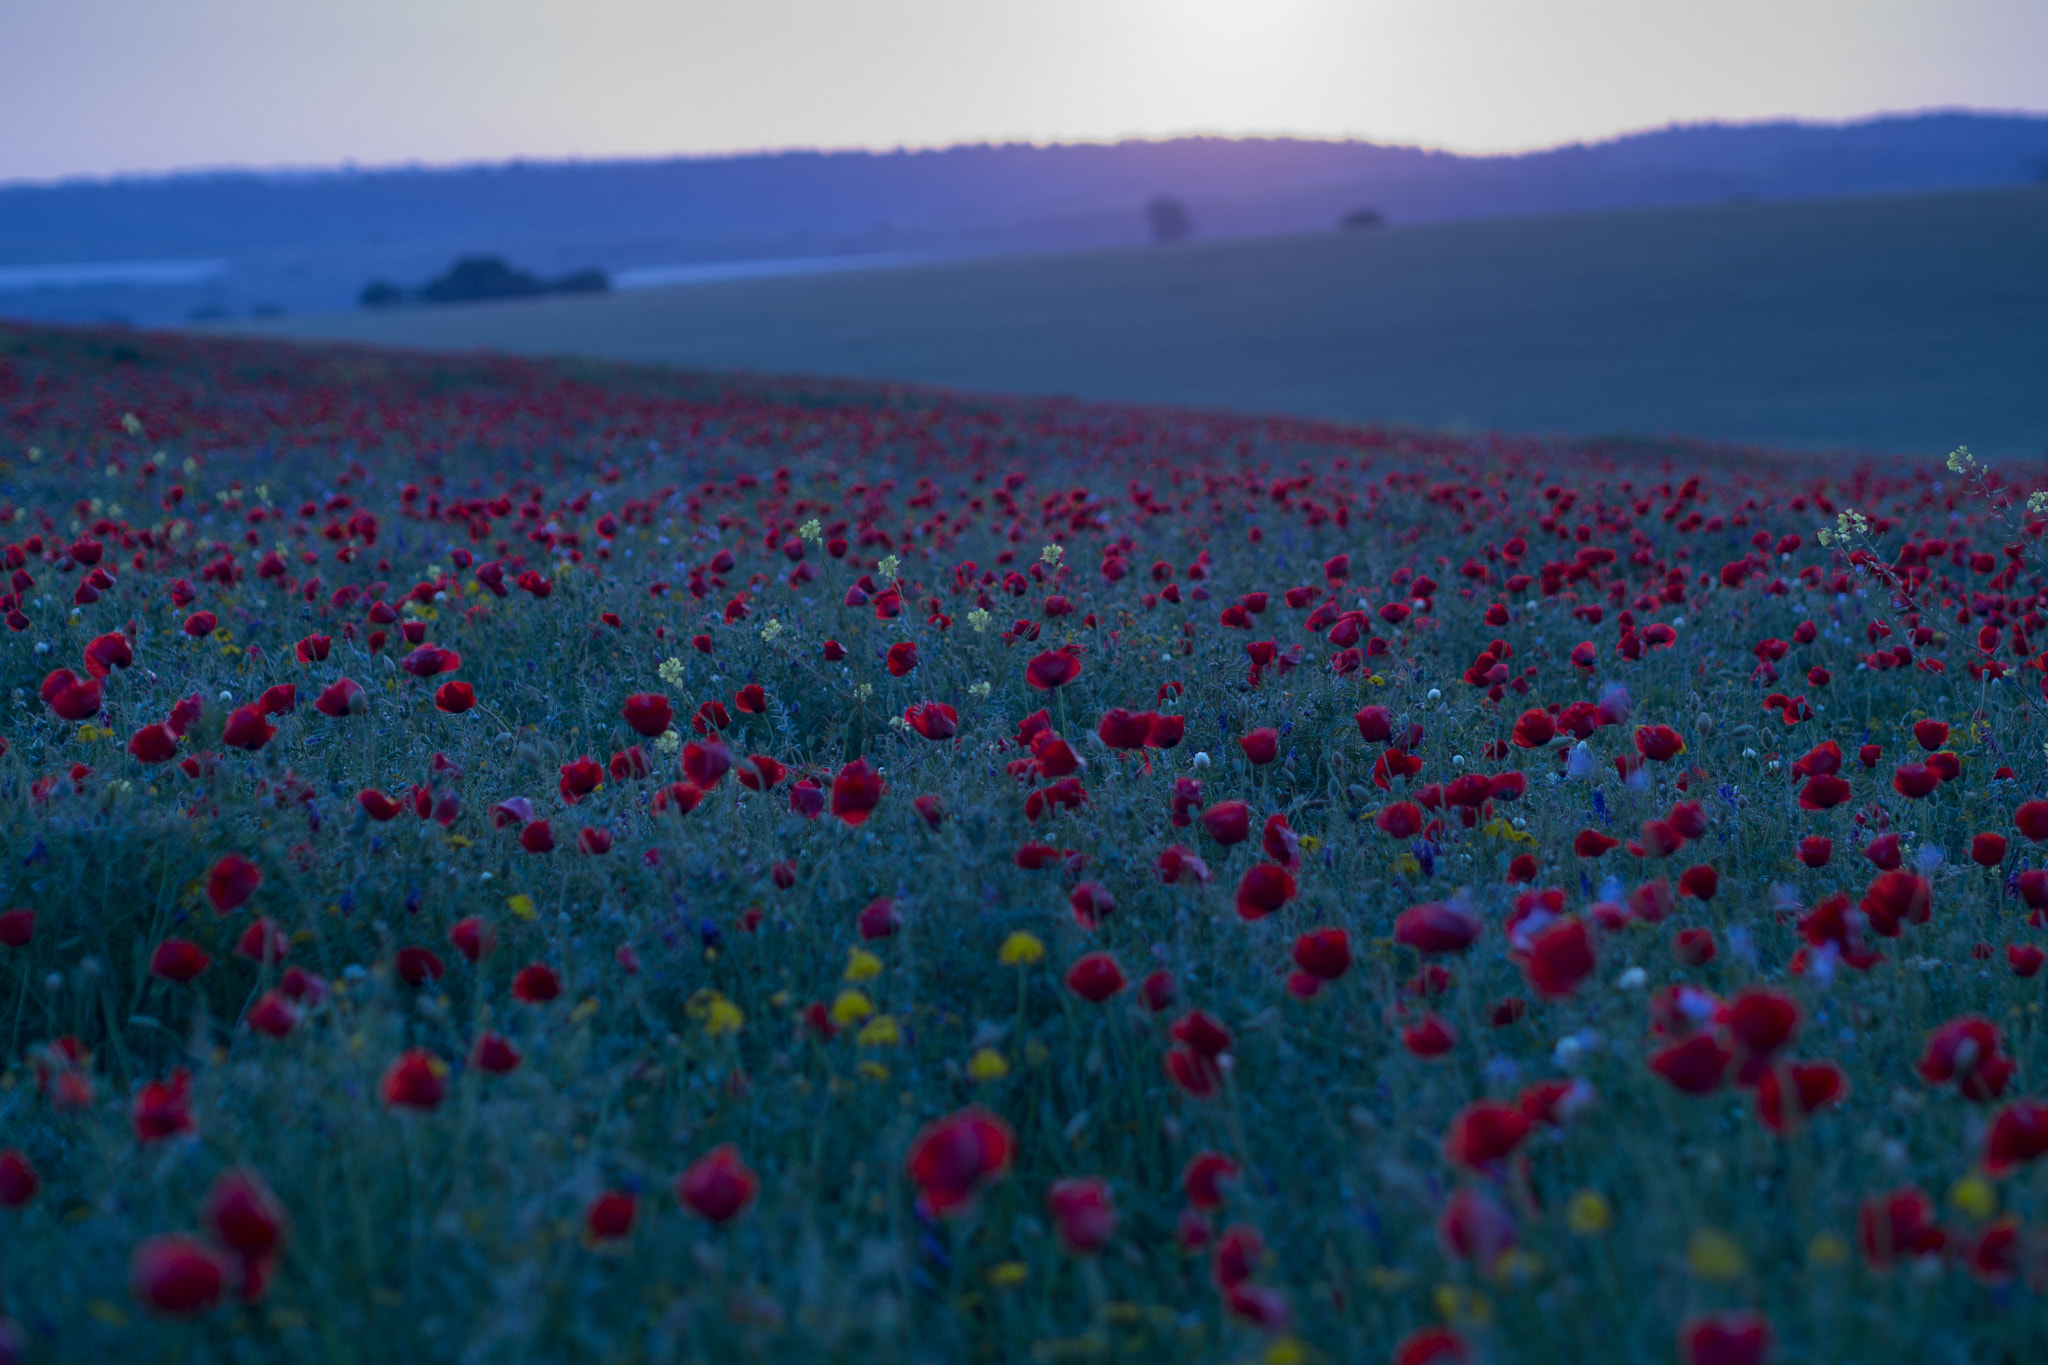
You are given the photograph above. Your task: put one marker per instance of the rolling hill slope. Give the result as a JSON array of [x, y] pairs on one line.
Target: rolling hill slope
[[1906, 324]]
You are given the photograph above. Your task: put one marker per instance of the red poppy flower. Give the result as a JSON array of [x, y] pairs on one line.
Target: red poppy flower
[[1760, 1022], [1237, 1256], [179, 960], [1988, 849], [377, 805], [1228, 822], [751, 699], [17, 927], [1914, 780], [609, 1217], [649, 713], [1323, 953], [1695, 1066], [414, 1081], [1095, 977], [536, 984], [163, 1109], [1083, 1213], [807, 799], [954, 1158], [343, 697], [1591, 843], [231, 881], [1560, 956], [856, 791], [1994, 1254], [1054, 668], [1534, 729], [1157, 991], [244, 1215], [934, 720], [1432, 1346], [1815, 851], [1809, 1086], [1896, 1227], [1894, 899], [1693, 947], [153, 744], [706, 763], [759, 773], [272, 1015], [1659, 743], [1966, 1052], [1725, 1339], [494, 1055], [1402, 820], [1200, 1181], [105, 653], [1431, 1038], [18, 1180], [2018, 1134], [538, 837], [1483, 1133], [2024, 959], [1700, 882], [1199, 1030], [176, 1276], [247, 729], [1263, 889], [717, 1187], [1437, 928], [879, 919], [1261, 746], [473, 938], [1823, 791], [1091, 904], [418, 966], [184, 715], [69, 696], [1375, 724]]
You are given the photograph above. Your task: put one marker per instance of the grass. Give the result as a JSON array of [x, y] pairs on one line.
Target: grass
[[1900, 325], [461, 1230]]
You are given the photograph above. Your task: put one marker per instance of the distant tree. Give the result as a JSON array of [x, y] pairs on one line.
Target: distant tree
[[587, 281], [1362, 220], [1169, 219], [382, 294], [481, 277]]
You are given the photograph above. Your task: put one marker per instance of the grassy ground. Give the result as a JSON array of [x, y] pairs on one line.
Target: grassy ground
[[1559, 1013], [1901, 325]]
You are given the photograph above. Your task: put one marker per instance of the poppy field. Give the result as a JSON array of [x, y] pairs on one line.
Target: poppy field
[[512, 860]]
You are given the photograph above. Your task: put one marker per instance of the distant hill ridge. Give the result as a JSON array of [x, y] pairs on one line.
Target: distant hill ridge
[[311, 239]]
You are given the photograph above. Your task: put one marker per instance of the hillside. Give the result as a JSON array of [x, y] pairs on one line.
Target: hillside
[[310, 241], [1906, 324]]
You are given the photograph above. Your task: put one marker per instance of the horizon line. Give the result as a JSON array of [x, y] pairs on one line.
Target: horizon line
[[348, 167]]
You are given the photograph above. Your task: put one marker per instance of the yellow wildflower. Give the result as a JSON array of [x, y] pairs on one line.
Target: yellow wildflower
[[1714, 1255], [850, 1008], [1021, 950]]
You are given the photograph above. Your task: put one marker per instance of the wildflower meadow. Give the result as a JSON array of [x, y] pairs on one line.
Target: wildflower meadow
[[531, 861]]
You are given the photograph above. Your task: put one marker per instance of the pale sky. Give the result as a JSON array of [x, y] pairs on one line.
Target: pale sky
[[97, 87]]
